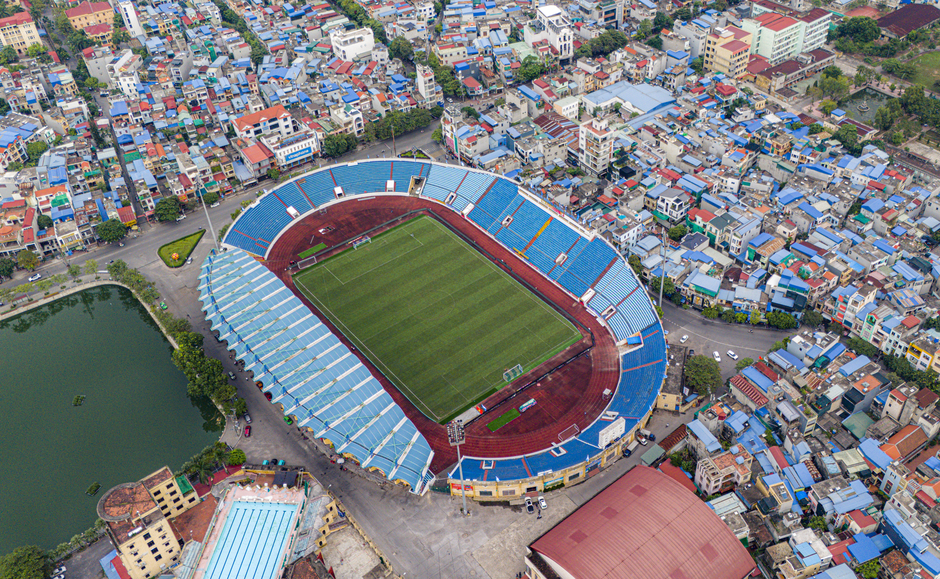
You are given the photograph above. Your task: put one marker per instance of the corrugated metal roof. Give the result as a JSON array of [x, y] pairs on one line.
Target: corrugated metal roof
[[645, 526]]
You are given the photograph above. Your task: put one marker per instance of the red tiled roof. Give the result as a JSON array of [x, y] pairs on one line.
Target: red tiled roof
[[88, 8], [752, 392], [685, 538], [277, 111], [16, 19]]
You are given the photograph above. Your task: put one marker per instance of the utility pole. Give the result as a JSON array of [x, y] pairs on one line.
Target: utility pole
[[209, 221], [662, 268], [456, 436]]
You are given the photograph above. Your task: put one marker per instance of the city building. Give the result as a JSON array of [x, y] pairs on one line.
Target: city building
[[18, 31], [553, 25], [271, 120], [356, 44], [138, 521], [728, 50], [131, 21], [721, 473], [89, 14], [595, 142], [685, 538]]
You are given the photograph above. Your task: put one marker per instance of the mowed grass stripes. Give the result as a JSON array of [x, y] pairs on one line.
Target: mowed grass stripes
[[440, 320]]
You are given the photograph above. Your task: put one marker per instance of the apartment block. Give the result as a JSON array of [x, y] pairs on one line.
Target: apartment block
[[595, 142], [18, 31], [727, 50]]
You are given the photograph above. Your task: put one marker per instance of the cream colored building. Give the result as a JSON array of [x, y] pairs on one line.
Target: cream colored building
[[727, 50], [18, 31], [138, 516], [596, 143]]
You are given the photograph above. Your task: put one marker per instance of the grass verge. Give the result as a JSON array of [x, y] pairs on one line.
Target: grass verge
[[504, 419], [305, 254], [183, 247]]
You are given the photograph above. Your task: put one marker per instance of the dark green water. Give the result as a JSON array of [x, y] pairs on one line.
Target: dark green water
[[135, 419]]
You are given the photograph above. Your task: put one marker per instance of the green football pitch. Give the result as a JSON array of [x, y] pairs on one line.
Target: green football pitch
[[439, 319]]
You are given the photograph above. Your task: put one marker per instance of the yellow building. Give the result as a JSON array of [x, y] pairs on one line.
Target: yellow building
[[18, 31], [138, 516], [90, 14], [727, 50]]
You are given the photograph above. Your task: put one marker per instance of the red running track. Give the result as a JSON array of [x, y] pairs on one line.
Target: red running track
[[573, 395]]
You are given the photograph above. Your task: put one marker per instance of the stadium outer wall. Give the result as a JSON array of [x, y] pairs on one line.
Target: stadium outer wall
[[281, 253]]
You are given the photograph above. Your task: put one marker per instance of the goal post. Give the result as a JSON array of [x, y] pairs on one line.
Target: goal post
[[512, 373], [361, 241]]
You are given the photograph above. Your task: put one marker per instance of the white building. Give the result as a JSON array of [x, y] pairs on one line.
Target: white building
[[295, 150], [596, 143], [551, 24], [353, 44], [778, 38], [131, 22], [427, 87]]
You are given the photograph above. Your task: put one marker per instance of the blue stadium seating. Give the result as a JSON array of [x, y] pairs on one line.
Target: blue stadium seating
[[527, 221], [493, 205], [319, 187], [555, 240], [476, 184], [572, 257], [515, 204], [403, 171], [364, 177], [289, 193], [588, 266]]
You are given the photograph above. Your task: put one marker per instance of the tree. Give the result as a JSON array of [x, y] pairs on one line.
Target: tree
[[832, 71], [35, 150], [818, 523], [860, 29], [636, 264], [702, 374], [827, 106], [8, 55], [44, 221], [437, 135], [645, 29], [111, 230], [27, 259], [812, 318], [241, 407], [7, 267], [755, 317], [401, 48], [668, 289], [531, 69], [662, 20], [167, 209], [869, 569], [335, 145], [237, 456], [210, 197], [73, 271], [274, 174], [678, 232], [862, 347], [743, 363], [847, 135], [470, 112], [698, 65], [781, 320], [90, 267], [834, 87], [24, 563], [35, 50]]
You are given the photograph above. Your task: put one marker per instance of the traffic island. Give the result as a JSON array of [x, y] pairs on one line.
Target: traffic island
[[175, 253]]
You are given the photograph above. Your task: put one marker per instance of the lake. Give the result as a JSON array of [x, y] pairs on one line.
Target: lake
[[136, 417]]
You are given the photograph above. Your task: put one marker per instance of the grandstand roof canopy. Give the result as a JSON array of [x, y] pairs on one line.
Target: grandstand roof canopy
[[644, 526]]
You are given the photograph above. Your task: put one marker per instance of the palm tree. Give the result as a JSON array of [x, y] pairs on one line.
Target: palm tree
[[202, 468]]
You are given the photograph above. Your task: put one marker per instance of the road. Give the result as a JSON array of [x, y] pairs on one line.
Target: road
[[421, 536], [707, 336]]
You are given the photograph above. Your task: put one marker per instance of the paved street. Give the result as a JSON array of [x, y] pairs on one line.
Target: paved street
[[707, 336]]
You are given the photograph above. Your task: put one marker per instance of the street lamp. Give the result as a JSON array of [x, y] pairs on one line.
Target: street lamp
[[456, 437]]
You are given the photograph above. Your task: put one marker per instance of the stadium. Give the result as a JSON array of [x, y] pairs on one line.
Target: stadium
[[377, 301]]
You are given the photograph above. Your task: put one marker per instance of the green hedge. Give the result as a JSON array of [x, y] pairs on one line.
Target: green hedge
[[184, 246]]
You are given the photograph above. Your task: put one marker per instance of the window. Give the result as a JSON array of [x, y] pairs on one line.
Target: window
[[154, 550], [486, 493], [158, 557], [150, 544], [147, 536]]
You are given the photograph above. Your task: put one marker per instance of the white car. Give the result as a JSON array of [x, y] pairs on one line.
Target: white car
[[181, 217], [542, 504], [716, 356], [684, 339], [35, 277], [732, 355]]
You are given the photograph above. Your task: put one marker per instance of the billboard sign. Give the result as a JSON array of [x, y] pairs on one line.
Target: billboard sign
[[305, 152]]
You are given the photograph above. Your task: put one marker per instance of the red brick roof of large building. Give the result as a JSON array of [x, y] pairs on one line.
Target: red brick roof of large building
[[88, 8], [275, 112], [645, 526], [909, 18], [15, 20]]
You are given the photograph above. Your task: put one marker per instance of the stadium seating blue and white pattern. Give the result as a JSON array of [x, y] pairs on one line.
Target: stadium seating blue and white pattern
[[307, 369], [320, 382]]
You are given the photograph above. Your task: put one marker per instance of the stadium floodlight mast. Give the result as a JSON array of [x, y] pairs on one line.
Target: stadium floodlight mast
[[456, 436]]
